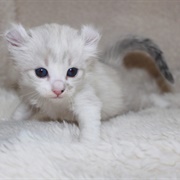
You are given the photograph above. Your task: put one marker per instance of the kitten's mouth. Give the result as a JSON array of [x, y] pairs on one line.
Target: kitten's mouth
[[57, 97]]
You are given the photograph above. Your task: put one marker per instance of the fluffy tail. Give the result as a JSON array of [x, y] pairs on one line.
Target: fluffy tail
[[121, 48]]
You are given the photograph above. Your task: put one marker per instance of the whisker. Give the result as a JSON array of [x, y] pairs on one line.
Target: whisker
[[30, 95], [13, 86], [26, 95], [71, 106], [42, 100]]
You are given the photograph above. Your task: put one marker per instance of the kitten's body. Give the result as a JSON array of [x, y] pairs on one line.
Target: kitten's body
[[95, 93]]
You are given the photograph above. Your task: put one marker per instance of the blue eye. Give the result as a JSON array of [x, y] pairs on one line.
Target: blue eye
[[41, 72], [72, 72]]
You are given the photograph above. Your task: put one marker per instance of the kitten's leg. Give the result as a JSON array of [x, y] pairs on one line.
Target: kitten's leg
[[87, 108], [22, 112]]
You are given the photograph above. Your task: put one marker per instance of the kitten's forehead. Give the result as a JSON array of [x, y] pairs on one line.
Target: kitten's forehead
[[63, 58], [60, 43], [57, 37]]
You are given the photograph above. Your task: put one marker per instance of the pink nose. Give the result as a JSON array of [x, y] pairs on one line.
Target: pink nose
[[58, 92]]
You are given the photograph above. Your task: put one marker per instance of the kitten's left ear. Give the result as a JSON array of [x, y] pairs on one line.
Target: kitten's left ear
[[91, 38], [17, 35]]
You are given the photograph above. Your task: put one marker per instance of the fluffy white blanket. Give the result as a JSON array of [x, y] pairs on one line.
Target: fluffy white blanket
[[142, 145]]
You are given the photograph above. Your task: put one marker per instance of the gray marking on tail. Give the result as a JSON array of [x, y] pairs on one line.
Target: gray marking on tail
[[146, 45]]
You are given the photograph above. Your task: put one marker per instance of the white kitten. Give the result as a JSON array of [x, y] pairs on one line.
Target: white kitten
[[60, 76]]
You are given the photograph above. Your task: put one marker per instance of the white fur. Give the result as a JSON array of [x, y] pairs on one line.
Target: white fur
[[139, 145], [94, 94]]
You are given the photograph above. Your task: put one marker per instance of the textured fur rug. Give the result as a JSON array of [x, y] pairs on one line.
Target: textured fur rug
[[136, 145]]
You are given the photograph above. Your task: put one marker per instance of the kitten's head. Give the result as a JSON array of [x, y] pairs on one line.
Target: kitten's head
[[52, 59]]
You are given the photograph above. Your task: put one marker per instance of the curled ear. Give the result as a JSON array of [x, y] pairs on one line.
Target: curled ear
[[90, 37], [17, 35]]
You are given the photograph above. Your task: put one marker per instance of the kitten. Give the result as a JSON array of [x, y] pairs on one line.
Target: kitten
[[60, 76]]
